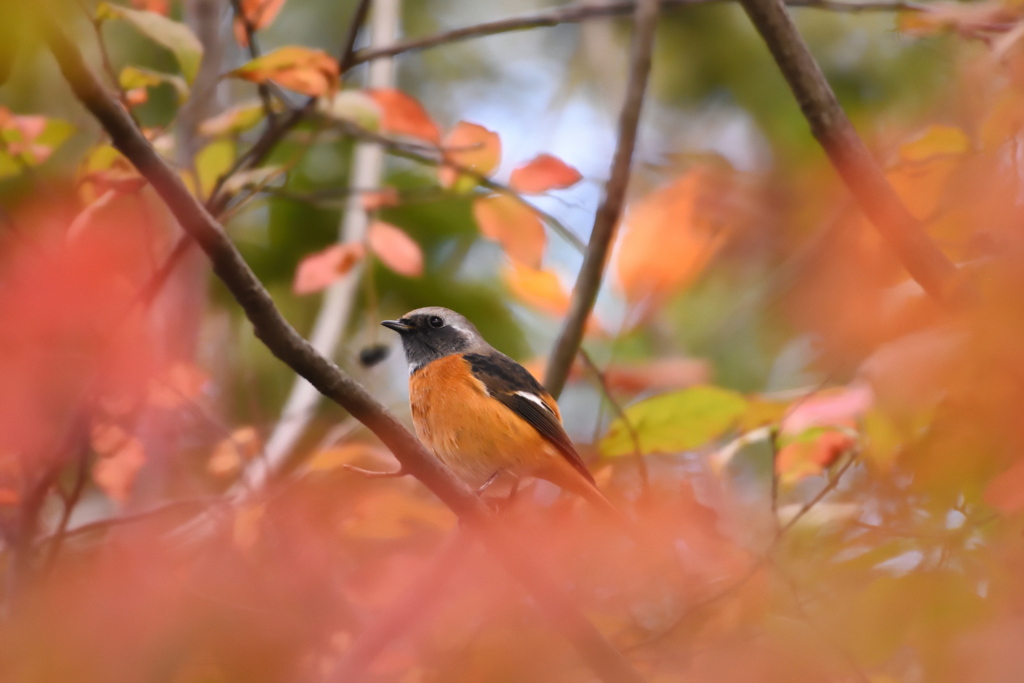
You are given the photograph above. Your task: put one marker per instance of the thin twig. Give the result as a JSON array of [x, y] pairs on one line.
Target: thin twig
[[583, 12], [70, 502], [347, 58], [254, 52], [120, 520], [638, 454], [285, 343], [825, 490], [919, 255], [588, 282]]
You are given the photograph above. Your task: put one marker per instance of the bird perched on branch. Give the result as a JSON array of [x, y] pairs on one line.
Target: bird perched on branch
[[483, 414]]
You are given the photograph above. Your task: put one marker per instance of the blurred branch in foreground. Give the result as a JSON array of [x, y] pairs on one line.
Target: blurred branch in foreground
[[285, 343], [588, 282]]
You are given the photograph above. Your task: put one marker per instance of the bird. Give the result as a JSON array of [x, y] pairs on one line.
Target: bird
[[482, 414]]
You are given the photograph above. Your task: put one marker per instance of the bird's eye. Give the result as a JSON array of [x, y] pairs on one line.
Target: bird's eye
[[435, 321]]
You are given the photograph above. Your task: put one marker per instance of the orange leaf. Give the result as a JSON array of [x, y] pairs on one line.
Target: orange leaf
[[317, 271], [181, 383], [137, 96], [115, 472], [671, 235], [839, 407], [469, 146], [310, 72], [404, 115], [542, 173], [229, 454], [515, 225], [395, 249], [664, 374], [808, 457], [538, 288], [1006, 491], [9, 496], [259, 13], [158, 6]]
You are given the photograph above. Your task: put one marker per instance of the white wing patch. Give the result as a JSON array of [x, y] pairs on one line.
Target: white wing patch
[[536, 399]]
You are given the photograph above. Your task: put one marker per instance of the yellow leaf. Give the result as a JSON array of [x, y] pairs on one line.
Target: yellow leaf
[[310, 72], [212, 162], [469, 146]]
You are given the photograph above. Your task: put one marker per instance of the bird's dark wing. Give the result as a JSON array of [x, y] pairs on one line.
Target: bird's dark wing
[[513, 385]]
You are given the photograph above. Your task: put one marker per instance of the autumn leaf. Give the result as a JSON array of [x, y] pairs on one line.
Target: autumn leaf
[[121, 458], [350, 453], [838, 407], [926, 166], [259, 14], [542, 173], [675, 422], [538, 288], [671, 234], [395, 249], [230, 454], [158, 6], [213, 161], [317, 271], [182, 383], [304, 70], [514, 225], [237, 119], [175, 36], [402, 114], [661, 374], [810, 453], [1006, 490], [472, 147], [134, 78], [29, 140]]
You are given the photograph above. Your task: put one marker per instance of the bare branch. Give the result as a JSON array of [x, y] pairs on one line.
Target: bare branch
[[588, 282], [254, 52], [862, 175], [285, 343], [582, 12]]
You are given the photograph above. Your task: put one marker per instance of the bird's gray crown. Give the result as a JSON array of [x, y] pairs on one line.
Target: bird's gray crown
[[431, 333]]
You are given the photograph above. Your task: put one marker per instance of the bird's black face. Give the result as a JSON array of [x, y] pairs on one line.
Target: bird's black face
[[428, 336]]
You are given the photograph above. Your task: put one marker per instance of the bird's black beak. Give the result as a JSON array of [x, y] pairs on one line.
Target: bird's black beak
[[396, 325]]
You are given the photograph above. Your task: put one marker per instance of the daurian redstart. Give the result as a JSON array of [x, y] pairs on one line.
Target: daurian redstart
[[481, 413]]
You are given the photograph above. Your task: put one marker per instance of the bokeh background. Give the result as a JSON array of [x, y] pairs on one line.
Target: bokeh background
[[826, 462]]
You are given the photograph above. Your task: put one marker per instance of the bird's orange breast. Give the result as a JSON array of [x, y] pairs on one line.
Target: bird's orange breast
[[472, 433]]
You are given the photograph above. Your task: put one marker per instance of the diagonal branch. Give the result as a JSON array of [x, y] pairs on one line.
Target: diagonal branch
[[588, 282], [285, 343], [847, 152]]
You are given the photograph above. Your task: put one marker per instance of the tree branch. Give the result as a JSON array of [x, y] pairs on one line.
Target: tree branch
[[862, 175], [285, 343], [588, 282], [578, 13]]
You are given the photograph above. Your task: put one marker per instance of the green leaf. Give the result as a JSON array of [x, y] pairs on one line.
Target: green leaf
[[173, 35], [213, 161], [676, 422], [133, 77]]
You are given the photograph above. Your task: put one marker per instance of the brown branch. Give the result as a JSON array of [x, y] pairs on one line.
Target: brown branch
[[285, 343], [602, 383], [348, 51], [852, 160], [825, 490], [582, 12], [588, 282]]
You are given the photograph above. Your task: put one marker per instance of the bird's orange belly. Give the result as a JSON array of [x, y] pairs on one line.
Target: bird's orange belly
[[473, 434]]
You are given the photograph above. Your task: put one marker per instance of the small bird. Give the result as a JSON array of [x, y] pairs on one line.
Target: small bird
[[483, 414]]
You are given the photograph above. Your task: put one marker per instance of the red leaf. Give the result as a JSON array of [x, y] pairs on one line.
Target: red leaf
[[395, 249], [404, 115], [542, 173], [838, 407], [260, 13], [158, 6], [516, 226], [469, 146], [317, 271]]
